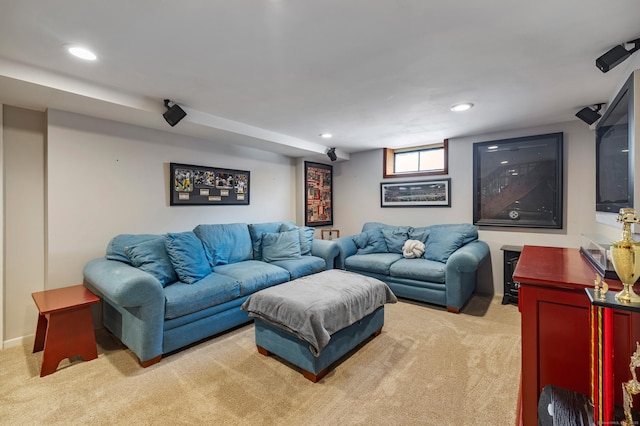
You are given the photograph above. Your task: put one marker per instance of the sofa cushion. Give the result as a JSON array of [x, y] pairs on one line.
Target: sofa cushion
[[442, 243], [212, 290], [115, 248], [253, 275], [304, 265], [225, 243], [306, 236], [257, 229], [306, 240], [469, 230], [378, 263], [151, 256], [371, 241], [287, 226], [420, 234], [418, 269], [395, 238], [280, 245], [376, 225], [187, 256]]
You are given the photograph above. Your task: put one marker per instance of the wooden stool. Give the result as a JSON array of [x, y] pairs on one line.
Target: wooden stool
[[65, 326]]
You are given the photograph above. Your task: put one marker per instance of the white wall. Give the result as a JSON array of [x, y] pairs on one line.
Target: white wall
[[24, 247], [357, 195], [1, 226]]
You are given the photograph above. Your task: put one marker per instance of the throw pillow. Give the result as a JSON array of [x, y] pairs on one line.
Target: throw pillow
[[371, 241], [306, 236], [187, 256], [469, 230], [256, 230], [287, 226], [225, 243], [413, 249], [420, 234], [395, 238], [442, 244], [151, 256], [306, 240], [280, 246], [115, 248]]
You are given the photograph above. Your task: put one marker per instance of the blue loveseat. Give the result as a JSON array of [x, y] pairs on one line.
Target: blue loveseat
[[163, 292], [446, 274]]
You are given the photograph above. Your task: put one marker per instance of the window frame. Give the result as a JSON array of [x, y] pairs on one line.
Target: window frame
[[388, 162]]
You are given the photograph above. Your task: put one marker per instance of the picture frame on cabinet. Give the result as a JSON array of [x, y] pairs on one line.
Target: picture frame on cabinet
[[330, 234]]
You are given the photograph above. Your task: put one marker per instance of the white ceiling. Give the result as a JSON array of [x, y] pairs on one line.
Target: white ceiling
[[274, 74]]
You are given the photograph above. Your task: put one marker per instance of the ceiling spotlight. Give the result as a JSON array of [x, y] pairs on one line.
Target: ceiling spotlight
[[326, 135], [462, 107], [616, 55], [332, 154], [590, 115], [82, 53], [174, 113]]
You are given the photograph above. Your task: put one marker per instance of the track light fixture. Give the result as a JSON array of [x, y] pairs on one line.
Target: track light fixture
[[589, 114], [332, 154], [616, 55], [174, 113]]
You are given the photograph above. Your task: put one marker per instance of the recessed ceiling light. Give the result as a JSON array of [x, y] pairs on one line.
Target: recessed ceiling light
[[326, 135], [461, 107], [82, 53]]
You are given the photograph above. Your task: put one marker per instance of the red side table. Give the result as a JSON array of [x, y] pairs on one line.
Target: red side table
[[65, 326]]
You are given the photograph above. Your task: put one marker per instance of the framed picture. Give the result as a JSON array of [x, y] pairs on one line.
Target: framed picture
[[518, 182], [318, 194], [191, 185], [330, 234], [421, 193]]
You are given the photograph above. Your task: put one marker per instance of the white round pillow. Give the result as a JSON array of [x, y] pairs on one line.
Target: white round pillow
[[413, 249]]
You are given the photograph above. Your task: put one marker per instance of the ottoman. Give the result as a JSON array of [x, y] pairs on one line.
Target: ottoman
[[313, 321]]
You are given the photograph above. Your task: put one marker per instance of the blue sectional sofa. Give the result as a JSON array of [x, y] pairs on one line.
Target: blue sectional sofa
[[446, 274], [163, 292]]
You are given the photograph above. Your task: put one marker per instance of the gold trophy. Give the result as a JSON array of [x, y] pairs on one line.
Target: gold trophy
[[625, 255]]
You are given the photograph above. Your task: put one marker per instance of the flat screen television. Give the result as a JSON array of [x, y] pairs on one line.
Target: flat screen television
[[614, 153]]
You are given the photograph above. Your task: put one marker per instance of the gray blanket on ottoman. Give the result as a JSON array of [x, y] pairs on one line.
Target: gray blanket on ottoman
[[316, 306]]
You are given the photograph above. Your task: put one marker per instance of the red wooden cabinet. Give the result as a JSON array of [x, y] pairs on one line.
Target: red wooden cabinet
[[556, 329]]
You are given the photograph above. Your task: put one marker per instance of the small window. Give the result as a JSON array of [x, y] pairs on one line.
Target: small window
[[416, 161]]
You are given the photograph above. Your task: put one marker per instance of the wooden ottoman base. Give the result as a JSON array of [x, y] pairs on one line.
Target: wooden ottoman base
[[271, 339]]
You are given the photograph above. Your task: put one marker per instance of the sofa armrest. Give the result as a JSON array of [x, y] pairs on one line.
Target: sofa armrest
[[123, 284], [347, 248], [326, 249], [133, 305], [461, 273], [469, 257]]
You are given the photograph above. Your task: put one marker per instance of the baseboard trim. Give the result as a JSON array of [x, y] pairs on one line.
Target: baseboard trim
[[19, 341]]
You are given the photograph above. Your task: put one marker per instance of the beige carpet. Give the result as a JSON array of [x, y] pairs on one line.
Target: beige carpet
[[428, 367]]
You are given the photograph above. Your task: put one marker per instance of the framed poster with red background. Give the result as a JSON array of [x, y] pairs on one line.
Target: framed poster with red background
[[318, 194]]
